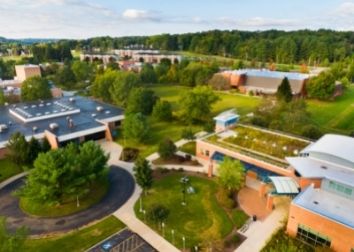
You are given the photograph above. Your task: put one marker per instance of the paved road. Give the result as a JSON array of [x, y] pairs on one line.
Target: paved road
[[122, 187]]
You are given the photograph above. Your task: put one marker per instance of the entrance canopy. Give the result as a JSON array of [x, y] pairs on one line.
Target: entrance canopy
[[285, 185]]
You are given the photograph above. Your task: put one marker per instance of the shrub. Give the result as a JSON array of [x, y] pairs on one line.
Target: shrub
[[129, 154], [311, 131], [158, 213], [224, 197], [167, 149], [188, 134]]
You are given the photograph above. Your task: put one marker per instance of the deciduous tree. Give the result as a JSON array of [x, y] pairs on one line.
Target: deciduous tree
[[35, 88], [231, 174]]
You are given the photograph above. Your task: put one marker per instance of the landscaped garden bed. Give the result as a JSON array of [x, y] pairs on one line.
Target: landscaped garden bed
[[280, 241], [201, 220], [69, 205]]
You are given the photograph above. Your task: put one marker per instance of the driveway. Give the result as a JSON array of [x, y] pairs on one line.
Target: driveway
[[121, 188]]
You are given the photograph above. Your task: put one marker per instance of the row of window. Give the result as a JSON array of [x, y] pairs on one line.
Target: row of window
[[312, 237], [340, 188]]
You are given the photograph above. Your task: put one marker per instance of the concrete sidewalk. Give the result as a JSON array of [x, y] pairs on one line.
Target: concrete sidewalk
[[12, 179], [126, 213], [260, 232]]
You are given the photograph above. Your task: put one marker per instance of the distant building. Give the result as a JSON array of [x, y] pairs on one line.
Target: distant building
[[105, 58], [23, 72], [147, 56], [323, 213], [74, 119], [265, 81]]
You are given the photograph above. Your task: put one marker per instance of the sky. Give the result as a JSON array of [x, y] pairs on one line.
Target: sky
[[79, 19]]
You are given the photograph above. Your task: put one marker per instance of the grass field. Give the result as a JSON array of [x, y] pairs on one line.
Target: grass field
[[77, 240], [202, 219], [97, 192], [334, 116], [244, 104], [173, 129], [189, 148], [8, 169]]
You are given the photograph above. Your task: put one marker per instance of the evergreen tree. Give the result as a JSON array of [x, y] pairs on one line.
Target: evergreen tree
[[35, 148], [167, 149], [284, 92], [18, 149], [143, 173], [162, 111], [2, 97]]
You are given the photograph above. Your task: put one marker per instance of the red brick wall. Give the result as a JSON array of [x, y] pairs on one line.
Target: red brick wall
[[202, 147], [342, 237], [3, 153]]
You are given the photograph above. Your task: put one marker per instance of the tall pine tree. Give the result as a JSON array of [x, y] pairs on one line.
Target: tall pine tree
[[284, 92]]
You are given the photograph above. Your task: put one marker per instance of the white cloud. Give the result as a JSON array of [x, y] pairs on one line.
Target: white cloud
[[258, 22], [345, 9], [140, 15]]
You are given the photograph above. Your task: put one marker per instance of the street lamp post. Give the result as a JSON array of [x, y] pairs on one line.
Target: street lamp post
[[184, 181], [141, 205], [77, 201], [144, 212], [173, 236], [184, 243], [163, 229]]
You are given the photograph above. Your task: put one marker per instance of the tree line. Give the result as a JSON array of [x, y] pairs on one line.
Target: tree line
[[302, 46]]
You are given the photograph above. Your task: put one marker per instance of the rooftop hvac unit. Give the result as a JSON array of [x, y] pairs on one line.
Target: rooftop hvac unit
[[53, 126], [99, 108], [3, 127]]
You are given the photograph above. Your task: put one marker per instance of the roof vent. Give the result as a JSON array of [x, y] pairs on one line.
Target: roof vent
[[315, 202], [99, 108], [107, 112], [72, 99], [93, 115], [35, 128], [53, 126], [324, 167]]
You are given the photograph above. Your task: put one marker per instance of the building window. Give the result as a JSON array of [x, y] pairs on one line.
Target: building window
[[312, 237], [207, 153]]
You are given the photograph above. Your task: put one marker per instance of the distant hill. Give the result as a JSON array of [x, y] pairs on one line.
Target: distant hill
[[27, 41]]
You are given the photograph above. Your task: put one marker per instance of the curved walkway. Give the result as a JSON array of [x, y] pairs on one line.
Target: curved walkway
[[126, 212], [122, 186]]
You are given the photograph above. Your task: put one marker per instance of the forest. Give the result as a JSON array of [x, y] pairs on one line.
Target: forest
[[303, 46]]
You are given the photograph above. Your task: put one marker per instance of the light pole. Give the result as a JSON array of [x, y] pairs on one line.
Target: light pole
[[163, 229], [184, 182], [173, 236], [184, 243], [144, 212], [141, 204], [77, 201]]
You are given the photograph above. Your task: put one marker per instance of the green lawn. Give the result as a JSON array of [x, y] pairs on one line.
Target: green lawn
[[243, 103], [77, 240], [158, 132], [173, 129], [202, 219], [336, 115], [189, 148], [97, 192], [8, 169]]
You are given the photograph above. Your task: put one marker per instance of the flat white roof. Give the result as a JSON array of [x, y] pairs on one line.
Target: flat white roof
[[334, 145], [327, 204], [227, 115], [285, 185], [314, 168]]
